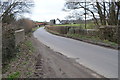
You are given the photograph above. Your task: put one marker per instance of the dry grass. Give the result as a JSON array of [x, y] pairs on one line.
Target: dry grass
[[23, 65]]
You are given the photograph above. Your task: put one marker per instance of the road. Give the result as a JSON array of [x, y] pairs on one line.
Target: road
[[102, 60], [52, 64]]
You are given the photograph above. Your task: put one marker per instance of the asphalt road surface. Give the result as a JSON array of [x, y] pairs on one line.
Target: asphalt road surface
[[53, 64], [102, 60]]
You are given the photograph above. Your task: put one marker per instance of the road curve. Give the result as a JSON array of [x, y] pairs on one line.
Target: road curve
[[102, 60]]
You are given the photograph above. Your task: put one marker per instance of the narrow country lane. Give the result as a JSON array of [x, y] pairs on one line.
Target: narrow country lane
[[102, 60]]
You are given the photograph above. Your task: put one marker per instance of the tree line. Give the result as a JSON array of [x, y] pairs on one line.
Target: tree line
[[108, 12]]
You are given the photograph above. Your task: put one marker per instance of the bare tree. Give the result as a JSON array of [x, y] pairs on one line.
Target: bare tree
[[79, 5], [74, 15], [108, 11], [12, 8]]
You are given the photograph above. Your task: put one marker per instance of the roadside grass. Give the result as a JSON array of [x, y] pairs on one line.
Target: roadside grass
[[28, 73], [18, 65], [29, 45], [34, 29], [92, 38], [24, 63], [111, 43], [83, 37], [14, 75]]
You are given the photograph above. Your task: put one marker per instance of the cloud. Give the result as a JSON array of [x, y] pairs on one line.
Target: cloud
[[47, 9]]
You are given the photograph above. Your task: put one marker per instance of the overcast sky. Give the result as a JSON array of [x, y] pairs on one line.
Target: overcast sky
[[45, 10]]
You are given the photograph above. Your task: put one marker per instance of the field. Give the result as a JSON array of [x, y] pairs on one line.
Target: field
[[88, 26]]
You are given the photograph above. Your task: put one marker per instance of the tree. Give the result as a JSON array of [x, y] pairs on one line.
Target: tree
[[75, 15], [13, 8], [80, 5], [108, 11]]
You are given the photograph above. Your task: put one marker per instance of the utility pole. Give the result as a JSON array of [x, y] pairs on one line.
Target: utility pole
[[85, 14]]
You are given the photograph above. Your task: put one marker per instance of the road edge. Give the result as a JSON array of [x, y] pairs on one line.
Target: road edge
[[87, 41]]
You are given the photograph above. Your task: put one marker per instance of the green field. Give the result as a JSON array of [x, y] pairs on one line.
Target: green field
[[88, 26], [67, 25]]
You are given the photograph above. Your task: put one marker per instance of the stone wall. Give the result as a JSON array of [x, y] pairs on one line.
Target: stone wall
[[19, 36], [87, 32], [73, 30], [104, 32]]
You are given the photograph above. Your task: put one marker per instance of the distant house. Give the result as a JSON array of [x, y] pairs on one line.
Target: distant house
[[52, 22]]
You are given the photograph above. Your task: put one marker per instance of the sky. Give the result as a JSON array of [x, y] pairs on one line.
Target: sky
[[45, 10]]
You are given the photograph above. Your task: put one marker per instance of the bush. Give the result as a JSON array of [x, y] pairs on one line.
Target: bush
[[8, 43], [26, 24], [109, 33]]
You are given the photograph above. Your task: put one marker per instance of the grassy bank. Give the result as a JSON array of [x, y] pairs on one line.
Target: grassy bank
[[88, 39], [92, 38], [35, 28], [22, 65]]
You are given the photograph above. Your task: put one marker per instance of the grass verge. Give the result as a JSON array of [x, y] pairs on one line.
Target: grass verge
[[93, 39], [88, 39], [34, 29], [23, 64], [14, 75]]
